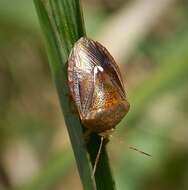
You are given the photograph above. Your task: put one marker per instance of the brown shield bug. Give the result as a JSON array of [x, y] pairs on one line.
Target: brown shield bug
[[96, 87]]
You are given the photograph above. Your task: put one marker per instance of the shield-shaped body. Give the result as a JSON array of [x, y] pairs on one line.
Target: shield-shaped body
[[96, 86]]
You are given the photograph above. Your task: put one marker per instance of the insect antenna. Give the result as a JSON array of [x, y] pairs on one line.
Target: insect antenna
[[133, 148], [121, 140], [97, 157]]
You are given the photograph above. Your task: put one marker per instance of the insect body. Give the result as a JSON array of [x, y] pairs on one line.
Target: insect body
[[96, 86]]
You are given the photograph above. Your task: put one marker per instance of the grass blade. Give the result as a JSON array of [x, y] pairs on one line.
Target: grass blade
[[61, 29], [62, 25]]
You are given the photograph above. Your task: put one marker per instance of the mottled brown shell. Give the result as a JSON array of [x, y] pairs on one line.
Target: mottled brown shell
[[96, 86]]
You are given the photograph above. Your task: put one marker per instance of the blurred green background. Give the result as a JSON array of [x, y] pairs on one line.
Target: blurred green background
[[149, 40]]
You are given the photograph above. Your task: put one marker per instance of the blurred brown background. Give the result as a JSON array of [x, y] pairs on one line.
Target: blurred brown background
[[149, 40]]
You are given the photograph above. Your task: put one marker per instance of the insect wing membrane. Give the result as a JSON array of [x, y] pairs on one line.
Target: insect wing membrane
[[80, 76], [103, 58]]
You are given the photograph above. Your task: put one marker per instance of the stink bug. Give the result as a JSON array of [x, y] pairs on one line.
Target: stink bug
[[96, 86]]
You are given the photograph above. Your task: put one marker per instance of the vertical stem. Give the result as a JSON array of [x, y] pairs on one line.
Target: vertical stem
[[62, 24]]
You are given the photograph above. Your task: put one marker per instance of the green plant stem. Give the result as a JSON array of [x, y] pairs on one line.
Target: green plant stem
[[103, 176], [61, 21]]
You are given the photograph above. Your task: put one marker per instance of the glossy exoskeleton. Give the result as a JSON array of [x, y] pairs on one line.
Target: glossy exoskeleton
[[96, 86]]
